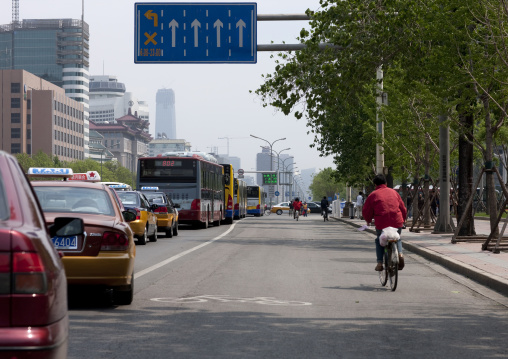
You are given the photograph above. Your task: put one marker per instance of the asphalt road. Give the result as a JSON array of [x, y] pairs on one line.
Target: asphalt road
[[272, 287]]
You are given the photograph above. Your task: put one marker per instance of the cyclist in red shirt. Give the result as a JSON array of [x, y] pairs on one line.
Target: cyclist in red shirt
[[385, 206], [297, 205]]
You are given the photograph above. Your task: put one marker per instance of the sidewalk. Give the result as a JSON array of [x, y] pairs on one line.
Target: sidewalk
[[467, 259]]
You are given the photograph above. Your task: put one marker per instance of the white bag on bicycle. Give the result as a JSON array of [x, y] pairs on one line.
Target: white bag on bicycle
[[388, 234]]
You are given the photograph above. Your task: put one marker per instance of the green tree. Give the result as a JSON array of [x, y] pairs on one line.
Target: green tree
[[41, 159], [325, 183], [25, 161]]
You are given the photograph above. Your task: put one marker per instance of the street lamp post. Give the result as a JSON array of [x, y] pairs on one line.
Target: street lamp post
[[278, 167], [285, 173], [271, 149]]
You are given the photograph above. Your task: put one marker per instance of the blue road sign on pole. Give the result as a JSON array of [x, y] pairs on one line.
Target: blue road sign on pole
[[195, 33]]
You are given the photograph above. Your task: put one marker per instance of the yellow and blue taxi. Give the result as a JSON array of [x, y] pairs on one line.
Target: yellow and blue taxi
[[280, 208], [145, 224], [104, 254], [166, 212]]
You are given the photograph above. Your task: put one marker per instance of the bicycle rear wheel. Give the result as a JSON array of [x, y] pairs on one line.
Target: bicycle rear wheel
[[383, 275], [393, 266]]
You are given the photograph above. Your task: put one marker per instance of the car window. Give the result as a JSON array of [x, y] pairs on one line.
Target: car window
[[157, 198], [4, 208], [115, 196], [74, 200], [146, 203], [129, 198]]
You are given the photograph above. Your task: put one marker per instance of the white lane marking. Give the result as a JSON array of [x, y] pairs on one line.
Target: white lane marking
[[229, 299], [174, 258]]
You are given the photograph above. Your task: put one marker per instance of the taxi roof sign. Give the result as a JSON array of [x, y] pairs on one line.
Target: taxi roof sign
[[90, 176], [50, 172], [149, 188], [118, 186]]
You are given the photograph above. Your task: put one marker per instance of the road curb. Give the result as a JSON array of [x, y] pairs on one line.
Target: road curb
[[488, 279]]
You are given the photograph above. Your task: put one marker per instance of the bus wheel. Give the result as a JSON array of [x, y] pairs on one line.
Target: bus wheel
[[204, 225], [217, 223]]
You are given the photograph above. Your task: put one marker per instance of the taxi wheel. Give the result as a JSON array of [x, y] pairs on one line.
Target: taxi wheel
[[124, 297], [142, 240], [169, 232], [153, 238], [175, 229], [279, 212]]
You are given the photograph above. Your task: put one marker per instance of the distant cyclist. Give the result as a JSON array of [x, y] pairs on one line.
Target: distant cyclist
[[324, 207], [297, 206], [290, 208]]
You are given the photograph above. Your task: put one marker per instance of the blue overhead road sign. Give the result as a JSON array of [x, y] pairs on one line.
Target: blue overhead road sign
[[195, 33]]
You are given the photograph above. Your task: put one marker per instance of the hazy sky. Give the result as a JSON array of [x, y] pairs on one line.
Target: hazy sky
[[212, 100]]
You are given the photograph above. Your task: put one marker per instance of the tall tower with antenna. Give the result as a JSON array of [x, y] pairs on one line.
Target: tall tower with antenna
[[15, 11]]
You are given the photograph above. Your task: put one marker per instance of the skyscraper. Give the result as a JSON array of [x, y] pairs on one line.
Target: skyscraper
[[56, 50], [165, 118]]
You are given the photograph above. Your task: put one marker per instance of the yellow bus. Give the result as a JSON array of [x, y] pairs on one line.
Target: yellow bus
[[240, 198], [228, 192], [255, 200]]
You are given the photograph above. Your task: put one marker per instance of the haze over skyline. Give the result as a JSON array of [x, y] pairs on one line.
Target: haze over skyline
[[212, 101]]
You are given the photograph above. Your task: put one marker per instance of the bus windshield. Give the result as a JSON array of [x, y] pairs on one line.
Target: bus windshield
[[168, 168]]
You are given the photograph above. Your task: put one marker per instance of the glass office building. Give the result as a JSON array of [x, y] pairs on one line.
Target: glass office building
[[56, 50]]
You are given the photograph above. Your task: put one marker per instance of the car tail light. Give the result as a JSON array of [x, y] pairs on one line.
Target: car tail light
[[196, 205], [28, 275], [161, 209], [257, 207], [113, 241], [138, 214], [230, 202]]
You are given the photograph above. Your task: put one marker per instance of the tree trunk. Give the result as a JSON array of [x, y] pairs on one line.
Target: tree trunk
[[490, 179], [426, 189], [465, 177]]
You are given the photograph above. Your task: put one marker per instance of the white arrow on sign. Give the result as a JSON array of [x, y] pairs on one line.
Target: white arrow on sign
[[241, 25], [196, 25], [173, 25], [218, 24]]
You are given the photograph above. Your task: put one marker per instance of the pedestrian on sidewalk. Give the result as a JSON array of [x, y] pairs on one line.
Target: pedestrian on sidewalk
[[359, 205], [385, 206]]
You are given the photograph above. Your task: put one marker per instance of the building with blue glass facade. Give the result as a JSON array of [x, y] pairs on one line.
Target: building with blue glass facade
[[56, 50]]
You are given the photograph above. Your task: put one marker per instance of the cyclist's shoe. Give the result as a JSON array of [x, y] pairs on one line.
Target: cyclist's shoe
[[401, 262], [379, 267]]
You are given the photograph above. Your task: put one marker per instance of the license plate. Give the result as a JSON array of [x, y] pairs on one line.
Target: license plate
[[65, 242]]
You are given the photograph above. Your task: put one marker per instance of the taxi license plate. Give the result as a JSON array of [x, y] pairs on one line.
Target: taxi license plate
[[65, 242]]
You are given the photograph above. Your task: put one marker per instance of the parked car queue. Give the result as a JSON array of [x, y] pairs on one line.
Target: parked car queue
[[73, 231]]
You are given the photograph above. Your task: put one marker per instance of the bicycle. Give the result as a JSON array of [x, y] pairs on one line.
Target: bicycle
[[325, 215], [297, 214], [268, 212], [391, 265]]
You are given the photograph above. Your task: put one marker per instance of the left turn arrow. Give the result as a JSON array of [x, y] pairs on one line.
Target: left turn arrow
[[151, 15]]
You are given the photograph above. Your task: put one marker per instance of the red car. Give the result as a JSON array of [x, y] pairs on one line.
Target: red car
[[33, 288]]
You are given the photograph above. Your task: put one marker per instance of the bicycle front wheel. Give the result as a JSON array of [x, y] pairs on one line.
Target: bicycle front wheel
[[393, 266]]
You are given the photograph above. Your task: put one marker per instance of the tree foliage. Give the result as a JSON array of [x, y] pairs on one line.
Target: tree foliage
[[110, 171], [325, 183]]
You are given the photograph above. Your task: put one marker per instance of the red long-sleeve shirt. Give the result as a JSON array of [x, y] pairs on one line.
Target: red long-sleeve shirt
[[385, 206]]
